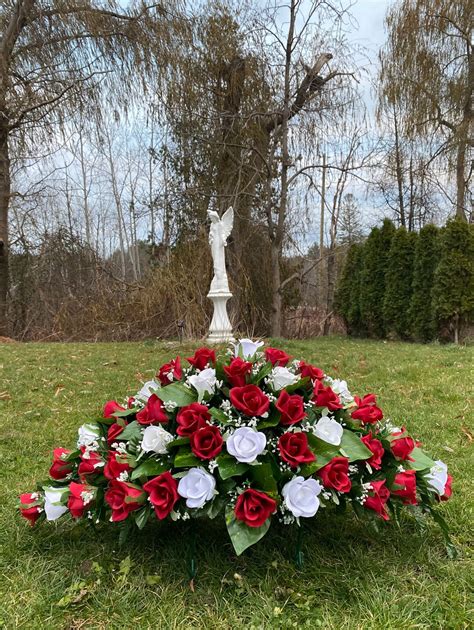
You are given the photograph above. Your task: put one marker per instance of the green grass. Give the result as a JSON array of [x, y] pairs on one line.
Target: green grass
[[66, 577]]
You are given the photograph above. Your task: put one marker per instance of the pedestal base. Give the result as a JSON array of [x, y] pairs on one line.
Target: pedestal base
[[220, 329]]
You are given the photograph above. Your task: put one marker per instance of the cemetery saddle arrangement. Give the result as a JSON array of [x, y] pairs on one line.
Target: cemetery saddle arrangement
[[253, 436]]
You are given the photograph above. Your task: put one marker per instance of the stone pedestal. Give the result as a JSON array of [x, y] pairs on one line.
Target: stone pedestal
[[220, 329]]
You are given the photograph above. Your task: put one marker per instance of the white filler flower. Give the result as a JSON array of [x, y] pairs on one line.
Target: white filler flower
[[88, 434], [197, 487], [328, 430], [156, 439], [52, 507], [147, 390], [301, 496], [204, 382], [281, 377], [245, 444], [438, 477], [247, 348]]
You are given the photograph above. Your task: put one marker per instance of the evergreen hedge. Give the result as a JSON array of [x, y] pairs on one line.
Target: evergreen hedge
[[423, 324], [408, 285], [453, 290]]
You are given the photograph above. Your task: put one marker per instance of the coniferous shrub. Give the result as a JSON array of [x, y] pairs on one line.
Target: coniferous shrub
[[398, 283], [453, 290], [376, 251], [422, 322], [347, 299]]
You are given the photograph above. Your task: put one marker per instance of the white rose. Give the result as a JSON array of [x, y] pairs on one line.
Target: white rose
[[328, 430], [340, 387], [197, 487], [52, 506], [281, 377], [156, 439], [301, 496], [88, 433], [245, 444], [204, 382], [246, 348], [147, 390], [438, 477]]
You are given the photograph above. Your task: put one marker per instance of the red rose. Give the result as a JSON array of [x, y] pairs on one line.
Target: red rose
[[237, 371], [378, 497], [76, 502], [377, 449], [277, 357], [114, 431], [448, 491], [30, 507], [124, 498], [336, 474], [311, 371], [294, 449], [325, 397], [59, 468], [254, 507], [207, 442], [402, 447], [170, 372], [152, 412], [110, 408], [201, 358], [367, 410], [291, 408], [163, 491], [250, 400], [91, 463], [115, 466], [407, 481], [192, 418]]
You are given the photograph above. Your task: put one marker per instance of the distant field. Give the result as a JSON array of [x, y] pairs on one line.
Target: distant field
[[67, 578]]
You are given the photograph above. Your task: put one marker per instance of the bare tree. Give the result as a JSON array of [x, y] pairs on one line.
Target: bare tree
[[58, 56]]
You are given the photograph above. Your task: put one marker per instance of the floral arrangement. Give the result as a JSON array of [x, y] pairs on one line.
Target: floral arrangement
[[252, 435]]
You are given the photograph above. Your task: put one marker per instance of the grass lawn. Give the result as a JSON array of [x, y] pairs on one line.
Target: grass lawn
[[66, 577]]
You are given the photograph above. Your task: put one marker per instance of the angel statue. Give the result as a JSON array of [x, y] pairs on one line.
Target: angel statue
[[218, 234]]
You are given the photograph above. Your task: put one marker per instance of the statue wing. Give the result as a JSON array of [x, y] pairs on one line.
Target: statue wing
[[227, 222]]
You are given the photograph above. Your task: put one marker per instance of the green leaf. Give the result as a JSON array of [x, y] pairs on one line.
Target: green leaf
[[421, 460], [178, 442], [184, 458], [219, 415], [243, 536], [229, 466], [262, 475], [177, 393], [131, 431], [149, 468], [353, 447], [272, 421], [439, 520], [301, 384], [324, 452], [141, 516], [125, 412], [264, 371], [308, 469]]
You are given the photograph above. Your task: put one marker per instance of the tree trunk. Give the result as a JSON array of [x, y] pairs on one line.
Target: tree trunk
[[5, 187], [276, 295], [460, 172], [456, 328], [399, 172], [331, 263]]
